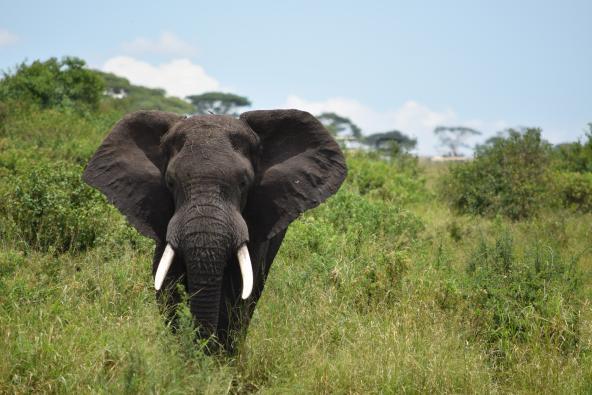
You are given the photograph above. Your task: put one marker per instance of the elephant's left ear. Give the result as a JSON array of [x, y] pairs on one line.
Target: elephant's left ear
[[300, 166]]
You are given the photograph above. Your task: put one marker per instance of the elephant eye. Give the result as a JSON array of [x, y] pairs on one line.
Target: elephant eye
[[244, 183], [169, 182]]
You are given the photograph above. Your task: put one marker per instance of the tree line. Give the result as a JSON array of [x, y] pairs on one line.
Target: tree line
[[68, 83]]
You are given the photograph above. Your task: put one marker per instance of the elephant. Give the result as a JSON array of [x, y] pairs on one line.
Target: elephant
[[216, 193]]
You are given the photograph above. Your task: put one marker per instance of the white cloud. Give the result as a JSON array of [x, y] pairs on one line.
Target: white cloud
[[7, 38], [179, 77], [167, 44], [411, 118]]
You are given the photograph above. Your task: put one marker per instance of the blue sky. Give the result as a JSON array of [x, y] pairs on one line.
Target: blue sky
[[385, 64]]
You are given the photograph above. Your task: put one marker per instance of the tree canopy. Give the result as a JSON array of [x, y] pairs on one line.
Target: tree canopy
[[128, 97], [218, 103], [339, 125], [53, 83], [454, 137], [386, 139]]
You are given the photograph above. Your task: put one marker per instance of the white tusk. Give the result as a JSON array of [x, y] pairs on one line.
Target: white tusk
[[244, 261], [163, 267]]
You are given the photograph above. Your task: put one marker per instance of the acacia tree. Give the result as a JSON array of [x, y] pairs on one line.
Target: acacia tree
[[339, 125], [455, 137], [218, 103], [387, 139]]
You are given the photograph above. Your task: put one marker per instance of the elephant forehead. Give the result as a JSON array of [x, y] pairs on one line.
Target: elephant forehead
[[214, 129], [211, 124]]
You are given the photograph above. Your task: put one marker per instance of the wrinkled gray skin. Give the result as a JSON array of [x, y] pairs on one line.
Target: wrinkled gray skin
[[208, 184]]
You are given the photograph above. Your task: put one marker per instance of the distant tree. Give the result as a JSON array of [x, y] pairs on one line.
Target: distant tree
[[339, 125], [53, 83], [387, 139], [123, 95], [510, 176], [218, 103], [455, 137]]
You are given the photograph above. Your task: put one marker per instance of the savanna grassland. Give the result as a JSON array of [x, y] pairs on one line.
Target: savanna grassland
[[413, 278]]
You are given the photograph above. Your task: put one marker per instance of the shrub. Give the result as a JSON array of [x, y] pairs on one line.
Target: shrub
[[65, 83], [574, 190], [575, 157], [348, 212], [509, 177], [513, 299], [47, 206], [399, 181], [360, 249]]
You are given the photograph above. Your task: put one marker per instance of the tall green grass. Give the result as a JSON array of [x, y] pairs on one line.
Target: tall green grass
[[381, 289]]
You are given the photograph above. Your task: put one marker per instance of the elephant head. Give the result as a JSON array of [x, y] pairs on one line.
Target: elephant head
[[216, 193]]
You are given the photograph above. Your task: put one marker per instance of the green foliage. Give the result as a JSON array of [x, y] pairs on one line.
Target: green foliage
[[54, 133], [455, 137], [575, 157], [374, 273], [388, 140], [339, 125], [126, 97], [574, 190], [50, 208], [218, 103], [399, 181], [65, 83], [508, 177], [380, 289], [532, 297]]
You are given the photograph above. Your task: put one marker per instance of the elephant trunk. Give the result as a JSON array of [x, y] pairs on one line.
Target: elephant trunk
[[204, 304], [205, 263]]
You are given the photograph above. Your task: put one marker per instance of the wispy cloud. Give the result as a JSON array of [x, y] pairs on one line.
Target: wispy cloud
[[166, 44], [179, 77], [7, 38], [411, 118]]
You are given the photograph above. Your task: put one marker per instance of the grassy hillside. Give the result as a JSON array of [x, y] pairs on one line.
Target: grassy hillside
[[384, 288]]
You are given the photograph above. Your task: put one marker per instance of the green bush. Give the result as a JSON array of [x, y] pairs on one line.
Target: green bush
[[359, 248], [65, 83], [575, 190], [47, 206], [510, 177], [516, 298], [399, 181], [575, 157]]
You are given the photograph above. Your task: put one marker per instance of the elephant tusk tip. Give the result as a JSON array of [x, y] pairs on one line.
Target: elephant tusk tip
[[246, 293], [246, 270], [163, 267]]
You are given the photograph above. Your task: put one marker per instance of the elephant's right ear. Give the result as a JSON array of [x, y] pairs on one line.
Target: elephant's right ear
[[127, 169]]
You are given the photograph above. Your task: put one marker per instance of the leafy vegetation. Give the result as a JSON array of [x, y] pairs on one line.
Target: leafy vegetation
[[338, 125], [380, 140], [218, 103], [574, 190], [128, 97], [380, 289], [48, 207], [53, 83], [577, 156], [510, 177], [454, 138]]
